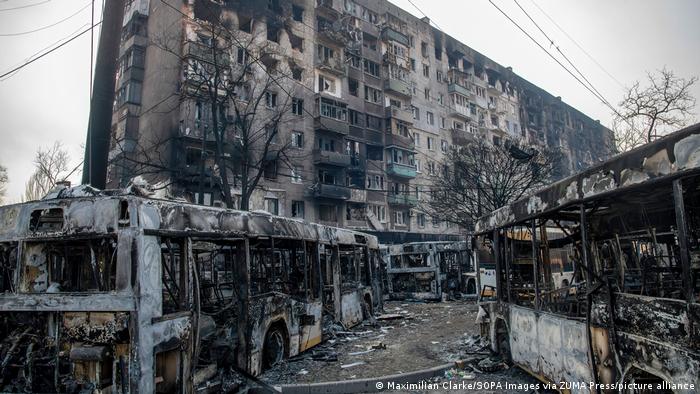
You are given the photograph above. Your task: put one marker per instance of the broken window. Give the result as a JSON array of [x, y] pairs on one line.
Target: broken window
[[217, 263], [8, 266], [173, 274], [69, 266]]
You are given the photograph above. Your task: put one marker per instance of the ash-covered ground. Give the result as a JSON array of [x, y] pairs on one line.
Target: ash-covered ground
[[408, 336]]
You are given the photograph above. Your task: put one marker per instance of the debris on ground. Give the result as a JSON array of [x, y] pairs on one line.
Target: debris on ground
[[355, 364], [390, 316], [424, 336]]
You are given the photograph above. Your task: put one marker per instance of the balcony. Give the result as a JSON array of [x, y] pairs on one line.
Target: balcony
[[332, 65], [326, 8], [402, 199], [331, 158], [401, 170], [204, 53], [358, 195], [399, 141], [460, 111], [462, 137], [393, 35], [335, 192], [398, 86], [493, 89], [461, 89], [357, 164], [400, 114], [332, 125], [390, 58]]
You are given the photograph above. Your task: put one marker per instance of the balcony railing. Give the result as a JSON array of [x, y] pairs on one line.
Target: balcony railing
[[460, 111], [331, 158], [399, 141], [401, 170], [335, 192], [331, 124], [459, 88]]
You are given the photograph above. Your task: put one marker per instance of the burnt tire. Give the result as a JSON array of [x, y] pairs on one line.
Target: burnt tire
[[274, 347]]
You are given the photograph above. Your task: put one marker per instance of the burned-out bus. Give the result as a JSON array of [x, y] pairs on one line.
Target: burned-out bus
[[429, 270], [628, 317], [118, 293]]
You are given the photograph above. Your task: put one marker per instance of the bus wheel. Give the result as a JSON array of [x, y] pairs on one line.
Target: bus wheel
[[273, 350]]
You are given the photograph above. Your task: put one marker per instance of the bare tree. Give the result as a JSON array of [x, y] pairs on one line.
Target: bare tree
[[51, 167], [647, 112], [238, 91], [3, 182], [479, 178]]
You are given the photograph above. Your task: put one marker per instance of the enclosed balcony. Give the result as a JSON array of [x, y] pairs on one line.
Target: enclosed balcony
[[402, 199], [331, 115], [399, 141], [398, 86], [460, 111], [462, 137], [335, 192], [390, 34], [403, 115], [464, 90], [401, 170], [331, 158]]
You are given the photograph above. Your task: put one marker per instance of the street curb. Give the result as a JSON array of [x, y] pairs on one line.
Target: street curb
[[368, 385]]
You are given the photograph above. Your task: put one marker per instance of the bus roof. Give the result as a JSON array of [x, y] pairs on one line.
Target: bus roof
[[663, 160], [82, 210]]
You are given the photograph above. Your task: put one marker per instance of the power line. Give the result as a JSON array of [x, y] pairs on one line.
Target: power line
[[562, 53], [45, 48], [24, 6], [578, 45], [425, 15], [48, 52], [45, 27], [552, 56]]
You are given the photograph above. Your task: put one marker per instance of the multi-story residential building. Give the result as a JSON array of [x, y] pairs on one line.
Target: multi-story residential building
[[379, 97]]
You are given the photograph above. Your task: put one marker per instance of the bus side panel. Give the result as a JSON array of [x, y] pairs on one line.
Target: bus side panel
[[550, 347], [311, 334], [351, 308]]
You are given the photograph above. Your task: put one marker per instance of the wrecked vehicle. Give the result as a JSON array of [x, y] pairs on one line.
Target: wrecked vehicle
[[113, 292], [429, 270], [630, 313]]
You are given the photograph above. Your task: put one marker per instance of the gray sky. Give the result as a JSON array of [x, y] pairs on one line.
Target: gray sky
[[49, 99]]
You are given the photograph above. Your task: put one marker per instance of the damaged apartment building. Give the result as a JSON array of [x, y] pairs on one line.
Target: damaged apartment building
[[378, 97]]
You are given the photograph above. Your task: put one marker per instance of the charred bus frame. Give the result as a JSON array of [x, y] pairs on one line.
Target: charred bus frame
[[631, 313], [427, 270], [121, 293]]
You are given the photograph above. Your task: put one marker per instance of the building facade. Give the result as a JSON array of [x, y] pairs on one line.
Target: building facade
[[377, 98]]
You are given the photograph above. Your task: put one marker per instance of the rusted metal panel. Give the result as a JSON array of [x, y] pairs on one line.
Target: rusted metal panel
[[550, 346]]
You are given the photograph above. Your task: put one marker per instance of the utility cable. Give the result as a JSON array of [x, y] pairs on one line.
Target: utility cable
[[45, 27], [47, 52], [24, 6]]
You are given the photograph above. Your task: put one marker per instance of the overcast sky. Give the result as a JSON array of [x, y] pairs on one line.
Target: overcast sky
[[48, 100]]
